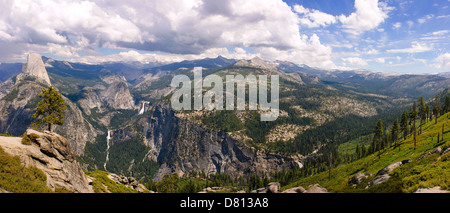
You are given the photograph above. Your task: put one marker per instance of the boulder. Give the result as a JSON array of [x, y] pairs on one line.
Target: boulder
[[273, 187], [297, 189], [357, 179], [437, 150], [316, 188], [383, 174]]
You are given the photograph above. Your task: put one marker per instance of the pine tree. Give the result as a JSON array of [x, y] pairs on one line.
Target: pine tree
[[378, 136], [437, 108], [447, 104], [422, 112], [50, 110], [404, 124], [394, 131], [413, 116]]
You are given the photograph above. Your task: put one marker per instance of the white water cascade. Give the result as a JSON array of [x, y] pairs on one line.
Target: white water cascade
[[108, 137], [142, 109]]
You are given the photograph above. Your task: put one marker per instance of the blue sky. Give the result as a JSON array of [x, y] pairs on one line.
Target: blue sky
[[383, 35], [410, 39]]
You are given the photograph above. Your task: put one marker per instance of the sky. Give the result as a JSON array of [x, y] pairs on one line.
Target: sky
[[408, 36]]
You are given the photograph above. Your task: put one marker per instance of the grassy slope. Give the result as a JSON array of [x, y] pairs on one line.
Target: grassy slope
[[14, 177], [431, 171]]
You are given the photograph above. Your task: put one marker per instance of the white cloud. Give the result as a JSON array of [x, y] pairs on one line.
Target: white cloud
[[416, 47], [443, 61], [356, 61], [410, 23], [178, 28], [380, 60], [313, 18], [425, 18], [397, 25], [369, 15]]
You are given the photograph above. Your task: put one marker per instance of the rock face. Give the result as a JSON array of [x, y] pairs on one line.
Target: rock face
[[181, 146], [35, 67], [383, 174], [117, 96], [19, 104], [358, 178], [52, 154]]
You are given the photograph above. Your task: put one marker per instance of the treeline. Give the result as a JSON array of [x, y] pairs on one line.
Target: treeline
[[409, 123], [194, 181]]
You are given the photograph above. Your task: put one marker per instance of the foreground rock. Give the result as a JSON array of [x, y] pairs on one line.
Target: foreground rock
[[316, 188], [358, 178], [52, 154], [383, 174], [129, 182], [298, 189], [436, 189]]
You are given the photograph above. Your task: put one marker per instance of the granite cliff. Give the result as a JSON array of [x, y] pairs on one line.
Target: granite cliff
[[181, 146], [52, 154]]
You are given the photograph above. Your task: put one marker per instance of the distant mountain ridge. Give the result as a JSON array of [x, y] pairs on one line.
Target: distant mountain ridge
[[317, 107]]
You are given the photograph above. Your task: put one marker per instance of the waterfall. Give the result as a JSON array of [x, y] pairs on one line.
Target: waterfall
[[107, 148], [142, 109]]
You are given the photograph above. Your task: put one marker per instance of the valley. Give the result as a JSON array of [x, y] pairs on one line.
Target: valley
[[119, 119]]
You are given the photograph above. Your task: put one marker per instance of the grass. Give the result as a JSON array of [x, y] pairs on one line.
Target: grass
[[430, 171], [14, 177]]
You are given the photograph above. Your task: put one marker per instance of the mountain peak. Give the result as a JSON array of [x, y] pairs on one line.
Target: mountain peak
[[35, 67]]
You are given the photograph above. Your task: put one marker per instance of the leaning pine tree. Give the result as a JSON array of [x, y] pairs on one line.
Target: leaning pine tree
[[50, 110]]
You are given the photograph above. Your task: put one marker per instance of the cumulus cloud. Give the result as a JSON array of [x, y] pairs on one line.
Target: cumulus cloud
[[368, 15], [443, 61], [313, 18], [355, 61], [177, 28]]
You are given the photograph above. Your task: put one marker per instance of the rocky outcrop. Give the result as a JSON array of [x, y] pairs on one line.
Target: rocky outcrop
[[438, 150], [52, 154], [129, 182], [181, 146], [35, 67], [383, 174], [17, 108], [316, 188], [297, 189], [76, 128], [220, 189], [116, 95], [358, 178]]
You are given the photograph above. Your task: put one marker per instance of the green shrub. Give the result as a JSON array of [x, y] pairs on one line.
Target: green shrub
[[25, 139], [6, 134], [15, 177]]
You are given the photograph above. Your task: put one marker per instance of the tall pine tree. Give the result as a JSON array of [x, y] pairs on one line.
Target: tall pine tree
[[378, 135], [50, 110], [404, 124], [413, 116], [395, 131], [437, 108], [422, 112], [447, 104]]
